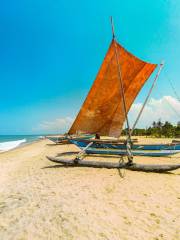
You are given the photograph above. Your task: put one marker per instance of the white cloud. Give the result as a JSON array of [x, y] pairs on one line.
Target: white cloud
[[59, 125], [167, 109]]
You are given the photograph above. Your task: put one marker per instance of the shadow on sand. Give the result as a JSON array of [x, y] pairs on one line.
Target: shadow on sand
[[121, 172]]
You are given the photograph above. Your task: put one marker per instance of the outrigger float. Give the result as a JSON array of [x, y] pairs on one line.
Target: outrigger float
[[118, 82], [110, 165]]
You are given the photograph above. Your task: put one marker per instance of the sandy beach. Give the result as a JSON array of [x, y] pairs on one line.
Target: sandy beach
[[41, 200]]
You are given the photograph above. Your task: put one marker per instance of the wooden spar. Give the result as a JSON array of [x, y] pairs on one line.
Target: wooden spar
[[128, 145], [118, 165], [121, 82], [82, 152], [112, 27], [147, 98]]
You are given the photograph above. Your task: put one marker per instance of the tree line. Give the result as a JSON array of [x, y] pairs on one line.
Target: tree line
[[158, 129]]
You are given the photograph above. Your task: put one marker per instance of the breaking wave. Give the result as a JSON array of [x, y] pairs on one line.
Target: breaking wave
[[6, 146]]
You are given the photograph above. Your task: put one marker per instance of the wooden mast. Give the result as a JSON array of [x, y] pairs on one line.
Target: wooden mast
[[129, 141]]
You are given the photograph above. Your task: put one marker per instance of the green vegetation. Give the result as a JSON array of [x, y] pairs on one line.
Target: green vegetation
[[158, 129]]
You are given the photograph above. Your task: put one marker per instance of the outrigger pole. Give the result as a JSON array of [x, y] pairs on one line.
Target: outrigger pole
[[129, 141], [148, 96]]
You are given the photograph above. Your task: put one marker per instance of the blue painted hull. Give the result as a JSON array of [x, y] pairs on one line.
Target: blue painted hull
[[83, 143], [160, 153]]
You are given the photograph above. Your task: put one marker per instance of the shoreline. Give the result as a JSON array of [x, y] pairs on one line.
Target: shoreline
[[21, 145]]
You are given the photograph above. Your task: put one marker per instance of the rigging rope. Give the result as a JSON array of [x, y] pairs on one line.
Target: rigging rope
[[173, 88], [147, 98]]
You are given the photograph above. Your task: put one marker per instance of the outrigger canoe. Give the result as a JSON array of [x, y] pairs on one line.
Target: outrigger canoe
[[104, 111]]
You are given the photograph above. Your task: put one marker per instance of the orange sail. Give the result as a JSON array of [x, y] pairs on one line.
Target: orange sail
[[102, 112]]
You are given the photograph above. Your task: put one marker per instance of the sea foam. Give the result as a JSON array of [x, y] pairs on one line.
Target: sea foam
[[6, 146]]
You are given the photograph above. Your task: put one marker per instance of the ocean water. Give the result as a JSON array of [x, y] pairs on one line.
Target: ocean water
[[8, 142]]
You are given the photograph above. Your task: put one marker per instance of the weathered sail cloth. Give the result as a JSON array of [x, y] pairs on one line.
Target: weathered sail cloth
[[103, 112]]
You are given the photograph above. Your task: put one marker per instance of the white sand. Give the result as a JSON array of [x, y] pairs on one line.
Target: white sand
[[41, 201]]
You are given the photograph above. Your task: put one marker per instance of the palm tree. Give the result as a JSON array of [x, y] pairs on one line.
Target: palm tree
[[154, 124], [159, 126], [168, 129]]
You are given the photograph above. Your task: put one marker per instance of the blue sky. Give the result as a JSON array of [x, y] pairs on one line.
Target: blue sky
[[50, 52]]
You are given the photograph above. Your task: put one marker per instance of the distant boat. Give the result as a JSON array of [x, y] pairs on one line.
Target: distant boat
[[66, 138], [58, 139]]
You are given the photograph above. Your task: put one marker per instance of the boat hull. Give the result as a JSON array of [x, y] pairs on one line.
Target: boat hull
[[66, 139], [58, 139], [159, 153], [81, 143]]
